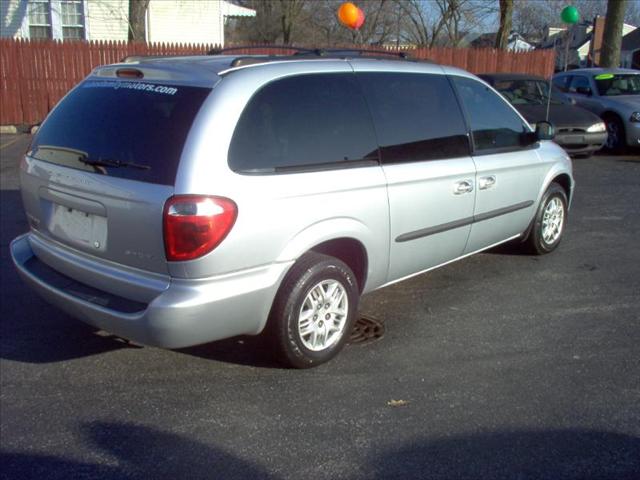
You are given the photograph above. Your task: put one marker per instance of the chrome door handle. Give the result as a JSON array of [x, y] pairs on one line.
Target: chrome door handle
[[486, 182], [463, 186]]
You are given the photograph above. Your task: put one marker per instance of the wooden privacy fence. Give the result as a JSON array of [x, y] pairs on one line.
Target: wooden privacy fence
[[34, 75]]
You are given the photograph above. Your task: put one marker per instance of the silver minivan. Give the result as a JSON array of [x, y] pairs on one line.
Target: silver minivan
[[180, 200]]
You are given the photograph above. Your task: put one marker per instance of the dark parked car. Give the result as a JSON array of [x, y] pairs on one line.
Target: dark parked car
[[578, 131]]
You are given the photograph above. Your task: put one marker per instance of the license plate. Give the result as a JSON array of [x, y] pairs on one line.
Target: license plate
[[78, 227], [574, 139]]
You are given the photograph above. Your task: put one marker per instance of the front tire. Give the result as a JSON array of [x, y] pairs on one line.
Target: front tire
[[615, 133], [549, 222], [314, 311]]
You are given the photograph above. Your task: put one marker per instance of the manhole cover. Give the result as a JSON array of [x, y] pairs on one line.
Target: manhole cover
[[366, 330]]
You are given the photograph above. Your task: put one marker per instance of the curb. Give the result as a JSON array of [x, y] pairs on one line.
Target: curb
[[10, 129], [15, 129]]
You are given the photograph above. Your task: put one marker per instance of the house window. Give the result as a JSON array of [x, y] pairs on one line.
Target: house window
[[56, 19], [72, 19], [39, 19]]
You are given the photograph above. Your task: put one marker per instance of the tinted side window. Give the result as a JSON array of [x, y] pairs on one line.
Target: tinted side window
[[416, 116], [562, 82], [579, 81], [493, 122], [308, 121]]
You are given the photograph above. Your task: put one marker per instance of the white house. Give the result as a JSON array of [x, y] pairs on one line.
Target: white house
[[582, 41], [184, 21], [630, 51]]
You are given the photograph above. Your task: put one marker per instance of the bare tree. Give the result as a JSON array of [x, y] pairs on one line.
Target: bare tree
[[137, 23], [417, 22], [442, 22], [265, 27], [506, 14], [291, 12], [612, 35]]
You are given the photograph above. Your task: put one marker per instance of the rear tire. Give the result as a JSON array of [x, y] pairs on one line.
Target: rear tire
[[549, 222], [314, 311]]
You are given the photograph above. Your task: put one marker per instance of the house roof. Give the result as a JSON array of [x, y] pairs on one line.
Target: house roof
[[232, 10], [484, 40], [631, 41], [489, 39]]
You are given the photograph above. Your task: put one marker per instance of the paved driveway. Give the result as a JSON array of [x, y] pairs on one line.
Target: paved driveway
[[498, 366]]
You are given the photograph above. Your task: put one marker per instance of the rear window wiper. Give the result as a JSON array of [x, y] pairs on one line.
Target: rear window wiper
[[105, 162]]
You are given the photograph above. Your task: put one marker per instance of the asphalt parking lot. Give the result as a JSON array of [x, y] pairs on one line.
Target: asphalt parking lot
[[498, 366]]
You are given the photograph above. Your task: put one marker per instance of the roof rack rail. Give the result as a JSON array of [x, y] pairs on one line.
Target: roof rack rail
[[320, 52], [218, 51], [140, 58], [355, 51]]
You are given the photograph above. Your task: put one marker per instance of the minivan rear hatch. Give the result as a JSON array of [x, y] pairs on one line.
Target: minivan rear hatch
[[104, 162]]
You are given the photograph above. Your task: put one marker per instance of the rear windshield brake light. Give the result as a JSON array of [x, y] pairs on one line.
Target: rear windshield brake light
[[129, 73]]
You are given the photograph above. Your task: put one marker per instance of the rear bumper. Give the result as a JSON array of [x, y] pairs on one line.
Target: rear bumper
[[577, 143], [188, 312]]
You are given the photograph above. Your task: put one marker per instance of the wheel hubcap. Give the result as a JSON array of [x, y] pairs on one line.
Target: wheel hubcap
[[552, 221], [323, 315]]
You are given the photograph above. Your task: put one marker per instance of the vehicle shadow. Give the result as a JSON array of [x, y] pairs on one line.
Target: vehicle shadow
[[13, 221], [514, 247], [546, 454], [139, 452], [50, 336], [254, 351], [31, 330]]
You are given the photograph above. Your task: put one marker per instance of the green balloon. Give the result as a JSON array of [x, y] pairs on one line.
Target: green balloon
[[570, 14]]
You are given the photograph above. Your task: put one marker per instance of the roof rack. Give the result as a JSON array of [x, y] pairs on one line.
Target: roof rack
[[318, 52], [218, 51], [140, 58], [356, 52]]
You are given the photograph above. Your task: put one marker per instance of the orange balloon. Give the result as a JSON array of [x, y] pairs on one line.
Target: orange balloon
[[359, 20], [348, 14]]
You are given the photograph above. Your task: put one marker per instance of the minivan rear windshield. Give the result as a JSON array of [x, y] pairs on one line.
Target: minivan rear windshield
[[131, 130]]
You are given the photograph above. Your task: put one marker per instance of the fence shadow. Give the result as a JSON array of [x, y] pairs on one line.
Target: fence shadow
[[128, 451], [140, 452], [546, 454]]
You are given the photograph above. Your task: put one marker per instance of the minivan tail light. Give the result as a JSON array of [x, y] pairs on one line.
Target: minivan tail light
[[194, 225]]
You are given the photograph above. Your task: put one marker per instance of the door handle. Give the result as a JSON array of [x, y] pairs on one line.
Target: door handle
[[486, 182], [463, 186]]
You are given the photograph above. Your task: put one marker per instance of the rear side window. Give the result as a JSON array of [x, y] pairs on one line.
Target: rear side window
[[579, 82], [494, 124], [304, 122], [416, 116], [131, 130], [562, 82]]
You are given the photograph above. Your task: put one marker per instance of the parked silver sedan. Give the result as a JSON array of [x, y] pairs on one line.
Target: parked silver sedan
[[613, 94]]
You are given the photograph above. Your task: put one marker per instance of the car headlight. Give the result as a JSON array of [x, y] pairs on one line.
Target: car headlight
[[597, 128], [635, 117]]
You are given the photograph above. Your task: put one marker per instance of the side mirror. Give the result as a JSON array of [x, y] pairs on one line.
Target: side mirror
[[583, 91], [545, 131]]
